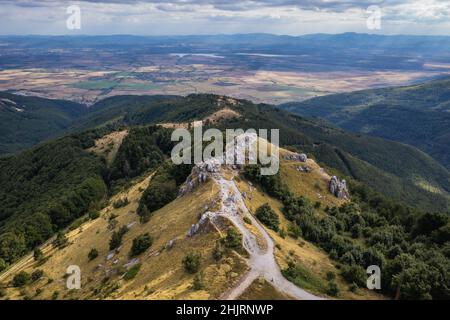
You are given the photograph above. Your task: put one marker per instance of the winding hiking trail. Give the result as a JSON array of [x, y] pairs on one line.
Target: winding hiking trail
[[262, 261]]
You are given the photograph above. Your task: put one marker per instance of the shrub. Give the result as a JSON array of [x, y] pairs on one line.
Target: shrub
[[60, 241], [132, 272], [198, 282], [294, 231], [191, 262], [93, 253], [36, 275], [331, 276], [121, 203], [218, 251], [21, 279], [332, 289], [94, 214], [140, 244], [267, 216], [353, 288], [357, 231], [233, 240], [116, 238], [355, 274], [55, 295], [2, 265], [38, 255], [247, 220]]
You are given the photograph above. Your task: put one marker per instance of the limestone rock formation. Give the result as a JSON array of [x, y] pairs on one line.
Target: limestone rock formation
[[339, 188]]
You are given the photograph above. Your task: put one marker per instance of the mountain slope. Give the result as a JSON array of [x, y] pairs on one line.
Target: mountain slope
[[397, 170], [27, 120], [158, 273], [211, 242], [392, 168], [418, 115]]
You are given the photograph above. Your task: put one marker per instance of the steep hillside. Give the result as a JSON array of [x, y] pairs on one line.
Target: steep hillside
[[210, 220], [418, 115], [27, 121], [232, 233], [45, 189], [400, 171]]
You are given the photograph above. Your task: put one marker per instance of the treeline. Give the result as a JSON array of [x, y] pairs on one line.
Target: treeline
[[45, 189], [142, 149], [163, 188], [412, 248]]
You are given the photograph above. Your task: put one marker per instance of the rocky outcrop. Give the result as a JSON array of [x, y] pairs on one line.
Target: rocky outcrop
[[195, 228], [301, 157], [339, 188]]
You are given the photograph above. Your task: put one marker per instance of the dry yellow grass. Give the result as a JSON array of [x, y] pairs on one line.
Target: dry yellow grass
[[108, 145], [260, 289], [312, 258], [161, 275]]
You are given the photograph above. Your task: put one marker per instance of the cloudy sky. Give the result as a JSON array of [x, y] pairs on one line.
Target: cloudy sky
[[293, 17]]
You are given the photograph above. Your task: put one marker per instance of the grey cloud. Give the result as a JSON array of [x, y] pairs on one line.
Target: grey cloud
[[229, 5]]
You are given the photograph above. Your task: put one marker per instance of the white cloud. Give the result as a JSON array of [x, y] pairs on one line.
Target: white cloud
[[159, 17]]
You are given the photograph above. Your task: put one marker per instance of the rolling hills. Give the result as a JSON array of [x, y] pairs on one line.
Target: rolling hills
[[417, 115], [210, 241], [28, 120], [400, 171]]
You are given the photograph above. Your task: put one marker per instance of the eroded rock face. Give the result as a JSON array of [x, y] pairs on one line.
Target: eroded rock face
[[339, 188]]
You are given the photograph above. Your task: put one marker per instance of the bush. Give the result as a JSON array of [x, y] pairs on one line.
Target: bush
[[353, 288], [355, 274], [38, 255], [191, 262], [93, 253], [332, 289], [198, 282], [267, 216], [132, 272], [121, 203], [233, 240], [218, 251], [3, 265], [247, 220], [94, 214], [294, 230], [21, 279], [60, 241], [116, 238], [36, 275], [331, 276], [55, 295], [357, 231], [140, 244]]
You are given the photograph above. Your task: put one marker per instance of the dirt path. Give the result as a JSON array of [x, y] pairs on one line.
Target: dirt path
[[262, 262]]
